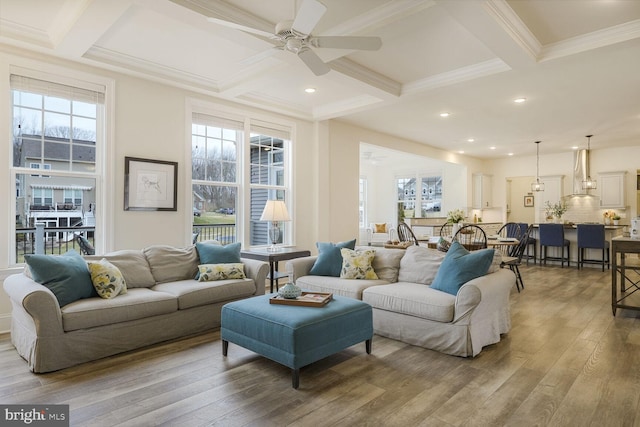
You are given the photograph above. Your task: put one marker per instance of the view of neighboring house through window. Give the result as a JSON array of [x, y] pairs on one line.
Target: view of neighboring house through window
[[56, 128], [406, 197], [218, 155]]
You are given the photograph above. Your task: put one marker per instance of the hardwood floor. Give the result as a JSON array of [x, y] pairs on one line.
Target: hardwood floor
[[566, 362]]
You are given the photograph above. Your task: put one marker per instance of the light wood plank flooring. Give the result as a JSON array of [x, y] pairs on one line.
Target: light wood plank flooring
[[566, 362]]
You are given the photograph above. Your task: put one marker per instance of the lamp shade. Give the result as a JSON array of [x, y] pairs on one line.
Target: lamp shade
[[275, 210]]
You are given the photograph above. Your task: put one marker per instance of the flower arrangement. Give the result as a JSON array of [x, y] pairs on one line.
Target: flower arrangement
[[455, 216], [610, 214], [557, 209]]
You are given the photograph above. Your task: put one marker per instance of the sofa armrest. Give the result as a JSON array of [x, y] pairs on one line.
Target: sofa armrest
[[30, 299], [484, 294], [301, 266], [258, 271]]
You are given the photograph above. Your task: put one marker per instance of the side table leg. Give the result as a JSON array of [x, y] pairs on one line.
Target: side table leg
[[225, 347], [367, 345], [295, 378], [271, 274]]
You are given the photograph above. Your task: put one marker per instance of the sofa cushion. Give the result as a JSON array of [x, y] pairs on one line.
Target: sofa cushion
[[67, 276], [132, 264], [329, 261], [412, 299], [191, 293], [213, 272], [420, 265], [169, 263], [337, 286], [138, 303], [357, 264], [215, 253], [386, 263], [107, 279], [459, 266]]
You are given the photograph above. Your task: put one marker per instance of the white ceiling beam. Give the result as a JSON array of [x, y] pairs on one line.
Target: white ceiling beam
[[79, 25], [498, 27]]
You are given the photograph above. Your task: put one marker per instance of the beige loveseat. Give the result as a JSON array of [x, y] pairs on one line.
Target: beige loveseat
[[162, 302], [407, 309]]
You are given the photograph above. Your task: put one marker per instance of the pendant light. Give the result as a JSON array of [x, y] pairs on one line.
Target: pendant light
[[588, 184], [537, 186]]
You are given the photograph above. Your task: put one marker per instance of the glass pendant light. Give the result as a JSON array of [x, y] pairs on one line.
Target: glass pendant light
[[537, 186]]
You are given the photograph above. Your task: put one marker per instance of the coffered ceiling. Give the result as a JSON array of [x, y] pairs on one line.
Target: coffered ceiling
[[577, 63]]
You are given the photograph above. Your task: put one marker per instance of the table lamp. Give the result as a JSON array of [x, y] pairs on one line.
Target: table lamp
[[275, 211]]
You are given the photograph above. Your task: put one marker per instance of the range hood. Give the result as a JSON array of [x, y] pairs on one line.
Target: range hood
[[580, 173]]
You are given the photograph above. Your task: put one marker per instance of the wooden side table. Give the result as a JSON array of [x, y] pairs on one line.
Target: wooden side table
[[273, 258], [622, 246]]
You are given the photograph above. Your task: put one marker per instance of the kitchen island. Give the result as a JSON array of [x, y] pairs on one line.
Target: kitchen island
[[571, 234]]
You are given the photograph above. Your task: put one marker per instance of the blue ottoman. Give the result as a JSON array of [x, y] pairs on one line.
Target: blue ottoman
[[296, 336]]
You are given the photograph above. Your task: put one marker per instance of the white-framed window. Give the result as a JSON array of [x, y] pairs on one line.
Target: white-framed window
[[72, 197], [221, 149], [362, 202], [58, 126]]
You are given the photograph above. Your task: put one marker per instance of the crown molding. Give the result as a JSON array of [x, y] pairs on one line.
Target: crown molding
[[513, 26], [345, 106], [596, 39], [365, 75], [25, 34], [226, 11], [475, 71]]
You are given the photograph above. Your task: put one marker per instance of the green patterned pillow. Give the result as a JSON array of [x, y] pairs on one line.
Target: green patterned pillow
[[107, 279], [211, 272], [357, 264]]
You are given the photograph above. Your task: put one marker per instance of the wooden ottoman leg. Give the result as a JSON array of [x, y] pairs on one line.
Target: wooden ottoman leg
[[295, 378], [367, 344], [225, 347]]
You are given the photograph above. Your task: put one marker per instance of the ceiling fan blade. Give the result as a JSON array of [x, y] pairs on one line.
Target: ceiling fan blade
[[308, 16], [314, 62], [347, 42], [240, 27]]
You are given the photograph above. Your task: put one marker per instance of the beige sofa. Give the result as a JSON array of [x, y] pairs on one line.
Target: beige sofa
[[163, 302], [407, 309]]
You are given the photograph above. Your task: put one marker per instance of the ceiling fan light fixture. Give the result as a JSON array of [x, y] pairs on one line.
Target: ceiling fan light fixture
[[537, 186]]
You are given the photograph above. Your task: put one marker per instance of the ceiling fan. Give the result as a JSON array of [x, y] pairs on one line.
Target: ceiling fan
[[295, 36]]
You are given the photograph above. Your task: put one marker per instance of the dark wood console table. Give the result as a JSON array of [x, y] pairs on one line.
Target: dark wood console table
[[273, 257], [621, 246]]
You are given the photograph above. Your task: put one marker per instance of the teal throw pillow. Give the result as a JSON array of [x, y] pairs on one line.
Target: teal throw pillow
[[459, 266], [210, 253], [67, 276], [329, 261]]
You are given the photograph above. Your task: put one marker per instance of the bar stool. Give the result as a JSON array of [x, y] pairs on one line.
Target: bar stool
[[553, 235], [530, 241], [591, 236]]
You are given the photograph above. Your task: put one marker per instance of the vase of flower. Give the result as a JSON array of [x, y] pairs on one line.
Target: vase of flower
[[456, 226]]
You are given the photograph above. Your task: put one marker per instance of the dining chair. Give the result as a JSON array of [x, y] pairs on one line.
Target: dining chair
[[405, 234], [552, 235], [471, 237], [591, 236], [531, 241], [511, 230], [515, 260], [446, 230]]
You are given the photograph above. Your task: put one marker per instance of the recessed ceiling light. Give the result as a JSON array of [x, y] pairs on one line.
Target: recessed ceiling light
[[444, 114], [492, 148], [575, 147], [470, 140], [461, 151], [310, 90], [510, 154], [519, 100]]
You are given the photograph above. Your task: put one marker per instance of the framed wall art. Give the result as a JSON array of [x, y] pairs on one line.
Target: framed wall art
[[528, 201], [150, 185]]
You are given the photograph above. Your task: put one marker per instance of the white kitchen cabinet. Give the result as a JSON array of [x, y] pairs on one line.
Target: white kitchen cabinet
[[612, 189], [481, 191]]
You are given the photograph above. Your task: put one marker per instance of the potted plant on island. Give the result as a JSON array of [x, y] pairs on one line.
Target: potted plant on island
[[455, 217], [616, 219], [556, 210]]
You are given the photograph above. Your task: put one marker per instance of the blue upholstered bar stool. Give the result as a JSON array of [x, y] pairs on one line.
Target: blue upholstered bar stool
[[530, 241], [591, 236], [553, 235]]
